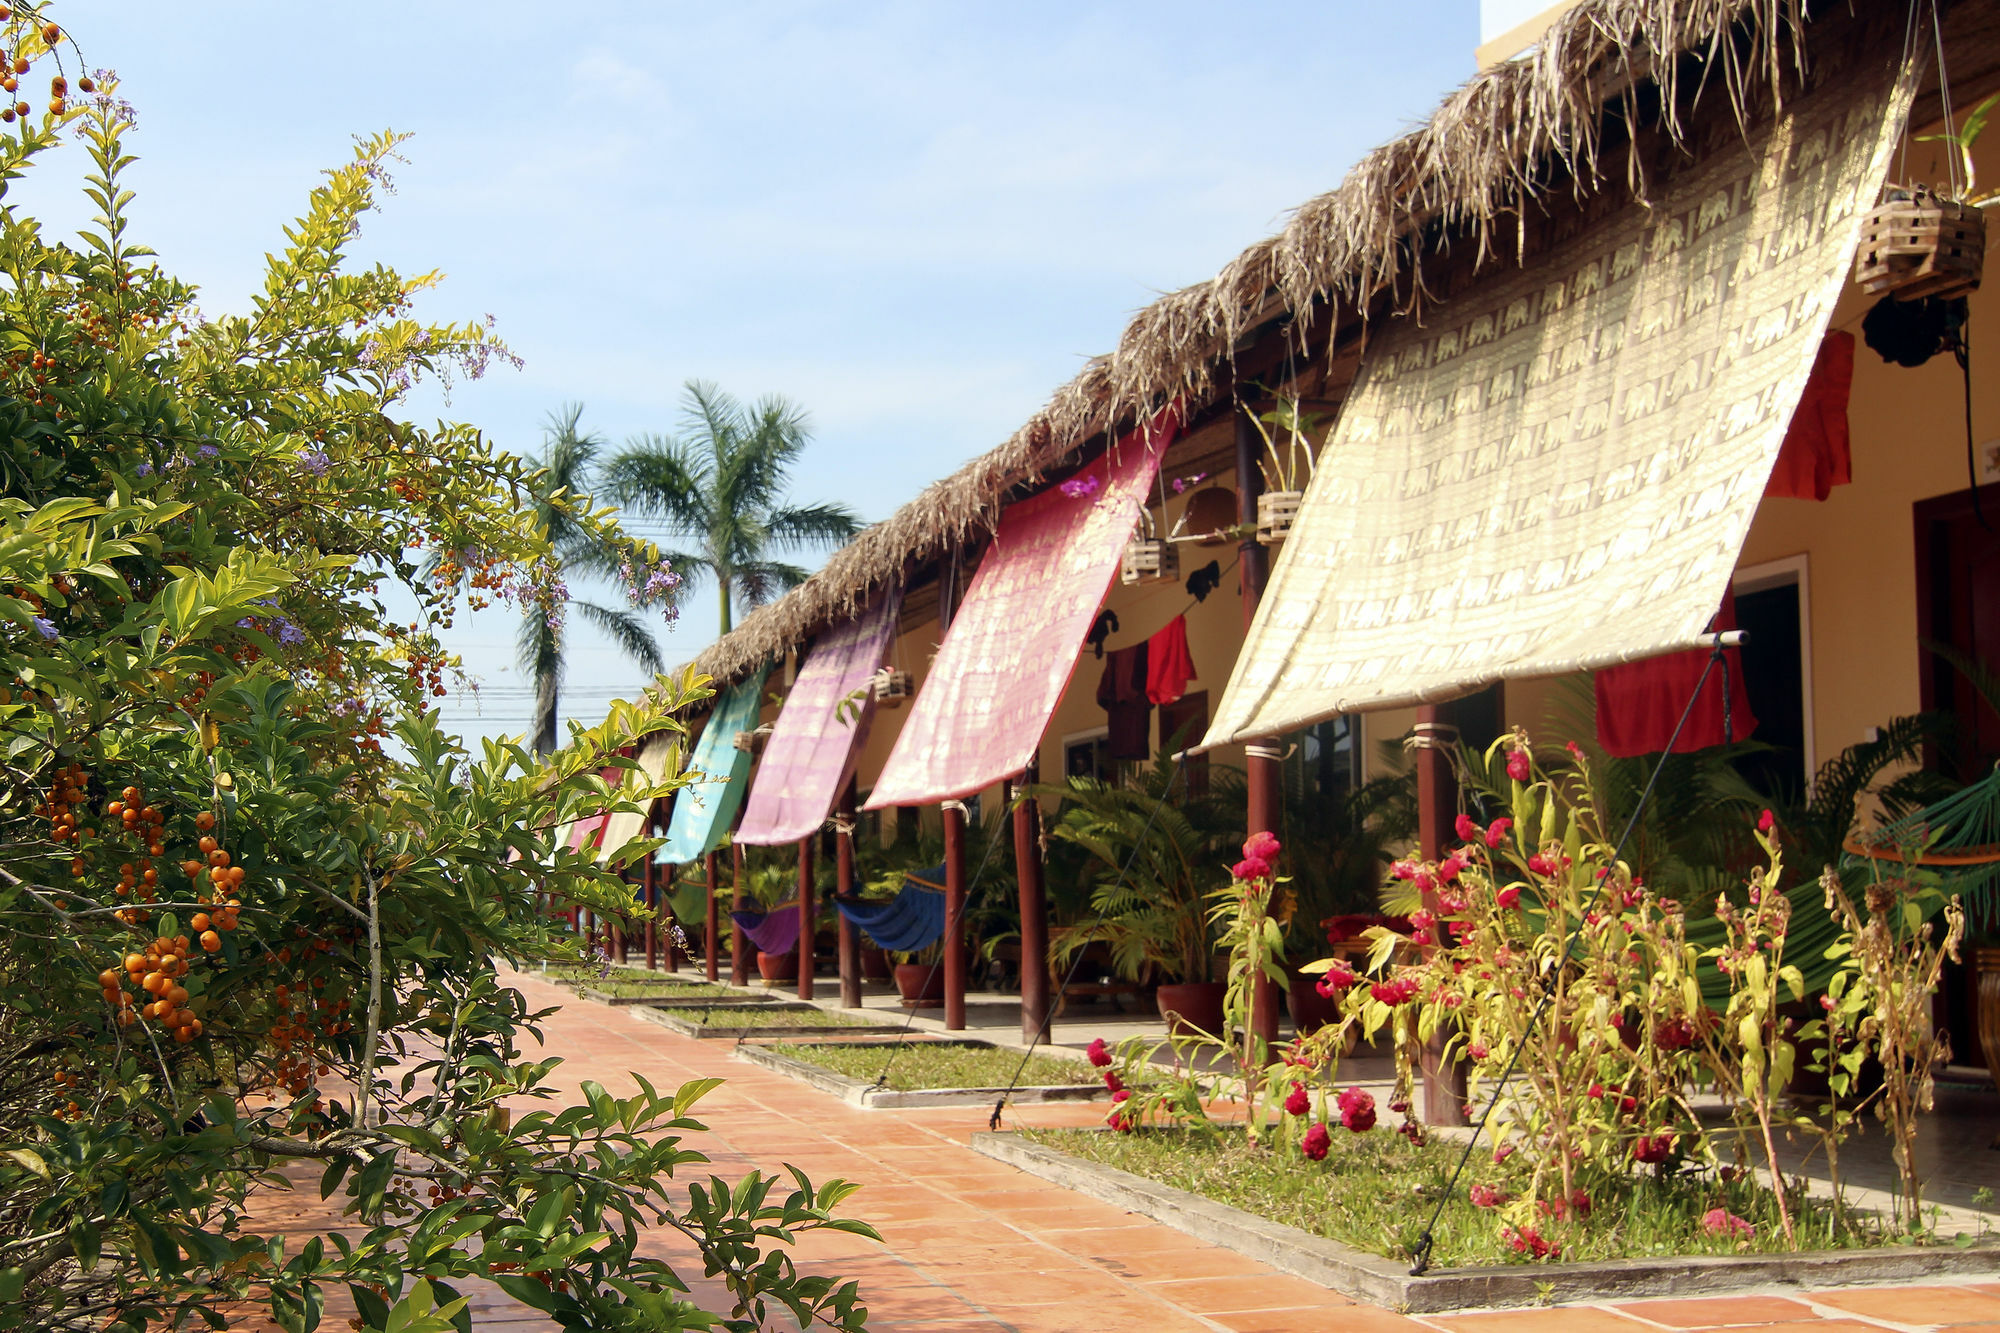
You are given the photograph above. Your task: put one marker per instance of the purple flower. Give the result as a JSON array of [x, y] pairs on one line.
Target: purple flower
[[288, 633], [1079, 488], [208, 451], [1182, 483], [315, 461], [248, 622], [47, 628], [144, 469]]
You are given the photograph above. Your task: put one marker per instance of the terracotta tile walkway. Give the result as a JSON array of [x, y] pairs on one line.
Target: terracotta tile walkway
[[974, 1244]]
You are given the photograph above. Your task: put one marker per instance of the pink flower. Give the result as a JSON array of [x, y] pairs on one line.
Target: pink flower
[[1541, 865], [1250, 869], [1421, 920], [1113, 1082], [1509, 897], [1652, 1149], [1405, 869], [1298, 1101], [1477, 1051], [1262, 846], [1673, 1034], [1722, 1222], [1502, 1153], [1357, 1110], [1467, 829], [1449, 867], [1099, 1053], [1315, 1143], [1336, 981], [1496, 832], [1401, 990], [1596, 1091], [1518, 765], [1485, 1196], [1526, 1240], [1766, 822]]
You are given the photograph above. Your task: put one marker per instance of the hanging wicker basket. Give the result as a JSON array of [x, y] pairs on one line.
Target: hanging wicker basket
[[890, 687], [1276, 512], [1149, 560], [1916, 243]]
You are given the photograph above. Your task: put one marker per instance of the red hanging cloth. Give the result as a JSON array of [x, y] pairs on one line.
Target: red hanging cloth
[[1638, 703], [1169, 667], [1815, 457]]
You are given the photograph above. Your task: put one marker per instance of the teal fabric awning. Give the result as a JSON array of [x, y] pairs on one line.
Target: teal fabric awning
[[705, 808]]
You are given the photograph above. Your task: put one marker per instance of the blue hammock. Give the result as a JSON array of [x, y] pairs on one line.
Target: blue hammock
[[912, 920]]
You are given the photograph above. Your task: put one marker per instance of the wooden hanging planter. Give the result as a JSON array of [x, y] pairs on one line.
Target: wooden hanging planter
[[746, 741], [890, 687], [1276, 512], [1916, 243], [1149, 560]]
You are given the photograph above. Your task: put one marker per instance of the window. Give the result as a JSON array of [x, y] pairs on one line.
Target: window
[[1773, 609], [1087, 754]]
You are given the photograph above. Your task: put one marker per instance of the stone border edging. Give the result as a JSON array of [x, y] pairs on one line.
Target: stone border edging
[[669, 1019], [666, 999], [869, 1097], [1385, 1282]]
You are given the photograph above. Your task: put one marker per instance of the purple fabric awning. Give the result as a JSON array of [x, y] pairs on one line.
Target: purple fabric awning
[[812, 747]]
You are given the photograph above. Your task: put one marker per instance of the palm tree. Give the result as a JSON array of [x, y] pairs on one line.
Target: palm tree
[[567, 458], [720, 486]]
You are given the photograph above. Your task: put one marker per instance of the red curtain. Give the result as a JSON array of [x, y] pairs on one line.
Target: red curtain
[[1815, 457], [1639, 703]]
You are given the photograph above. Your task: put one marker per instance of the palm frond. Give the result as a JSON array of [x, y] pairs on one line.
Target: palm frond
[[626, 629]]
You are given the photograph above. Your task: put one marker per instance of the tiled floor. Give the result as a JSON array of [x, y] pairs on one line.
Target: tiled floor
[[974, 1244]]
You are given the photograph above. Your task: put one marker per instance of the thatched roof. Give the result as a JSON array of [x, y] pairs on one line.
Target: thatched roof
[[1491, 147]]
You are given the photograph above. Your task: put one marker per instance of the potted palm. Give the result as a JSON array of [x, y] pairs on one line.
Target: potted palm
[[1154, 854]]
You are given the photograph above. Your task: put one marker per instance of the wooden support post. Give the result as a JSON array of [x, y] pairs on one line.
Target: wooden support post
[[649, 894], [739, 943], [1437, 809], [1263, 772], [954, 916], [843, 885], [1034, 899], [711, 948], [808, 909]]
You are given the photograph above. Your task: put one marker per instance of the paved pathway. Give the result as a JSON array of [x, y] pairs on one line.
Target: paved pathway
[[974, 1244]]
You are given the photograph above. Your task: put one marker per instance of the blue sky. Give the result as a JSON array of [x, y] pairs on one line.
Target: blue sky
[[916, 219]]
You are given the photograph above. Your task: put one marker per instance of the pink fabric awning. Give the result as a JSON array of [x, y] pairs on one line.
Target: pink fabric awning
[[813, 745], [1012, 646]]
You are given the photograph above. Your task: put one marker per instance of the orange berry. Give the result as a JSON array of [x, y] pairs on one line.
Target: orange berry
[[207, 844], [110, 977], [218, 857], [235, 876], [210, 941], [204, 821], [135, 962], [198, 922]]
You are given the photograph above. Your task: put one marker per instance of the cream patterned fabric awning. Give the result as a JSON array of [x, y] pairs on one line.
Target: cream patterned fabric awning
[[658, 758], [1556, 469]]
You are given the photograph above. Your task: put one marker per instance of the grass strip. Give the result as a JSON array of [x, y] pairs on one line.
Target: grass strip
[[1374, 1191], [923, 1065]]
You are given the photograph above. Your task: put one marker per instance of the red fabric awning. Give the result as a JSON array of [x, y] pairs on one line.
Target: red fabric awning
[[1639, 703], [980, 714]]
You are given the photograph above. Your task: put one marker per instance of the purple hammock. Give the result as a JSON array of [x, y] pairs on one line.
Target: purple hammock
[[775, 932]]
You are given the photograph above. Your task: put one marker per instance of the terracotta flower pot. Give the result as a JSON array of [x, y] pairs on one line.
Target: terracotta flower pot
[[874, 964], [777, 967], [1309, 1009], [1193, 1004], [920, 985]]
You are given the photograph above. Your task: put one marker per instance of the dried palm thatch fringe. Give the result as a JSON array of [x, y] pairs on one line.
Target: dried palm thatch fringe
[[1488, 152]]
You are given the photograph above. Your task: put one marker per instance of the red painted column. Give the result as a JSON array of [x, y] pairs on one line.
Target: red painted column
[[739, 945], [711, 947], [843, 884], [808, 909], [1262, 770], [1437, 809], [1034, 900], [649, 894], [954, 916]]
